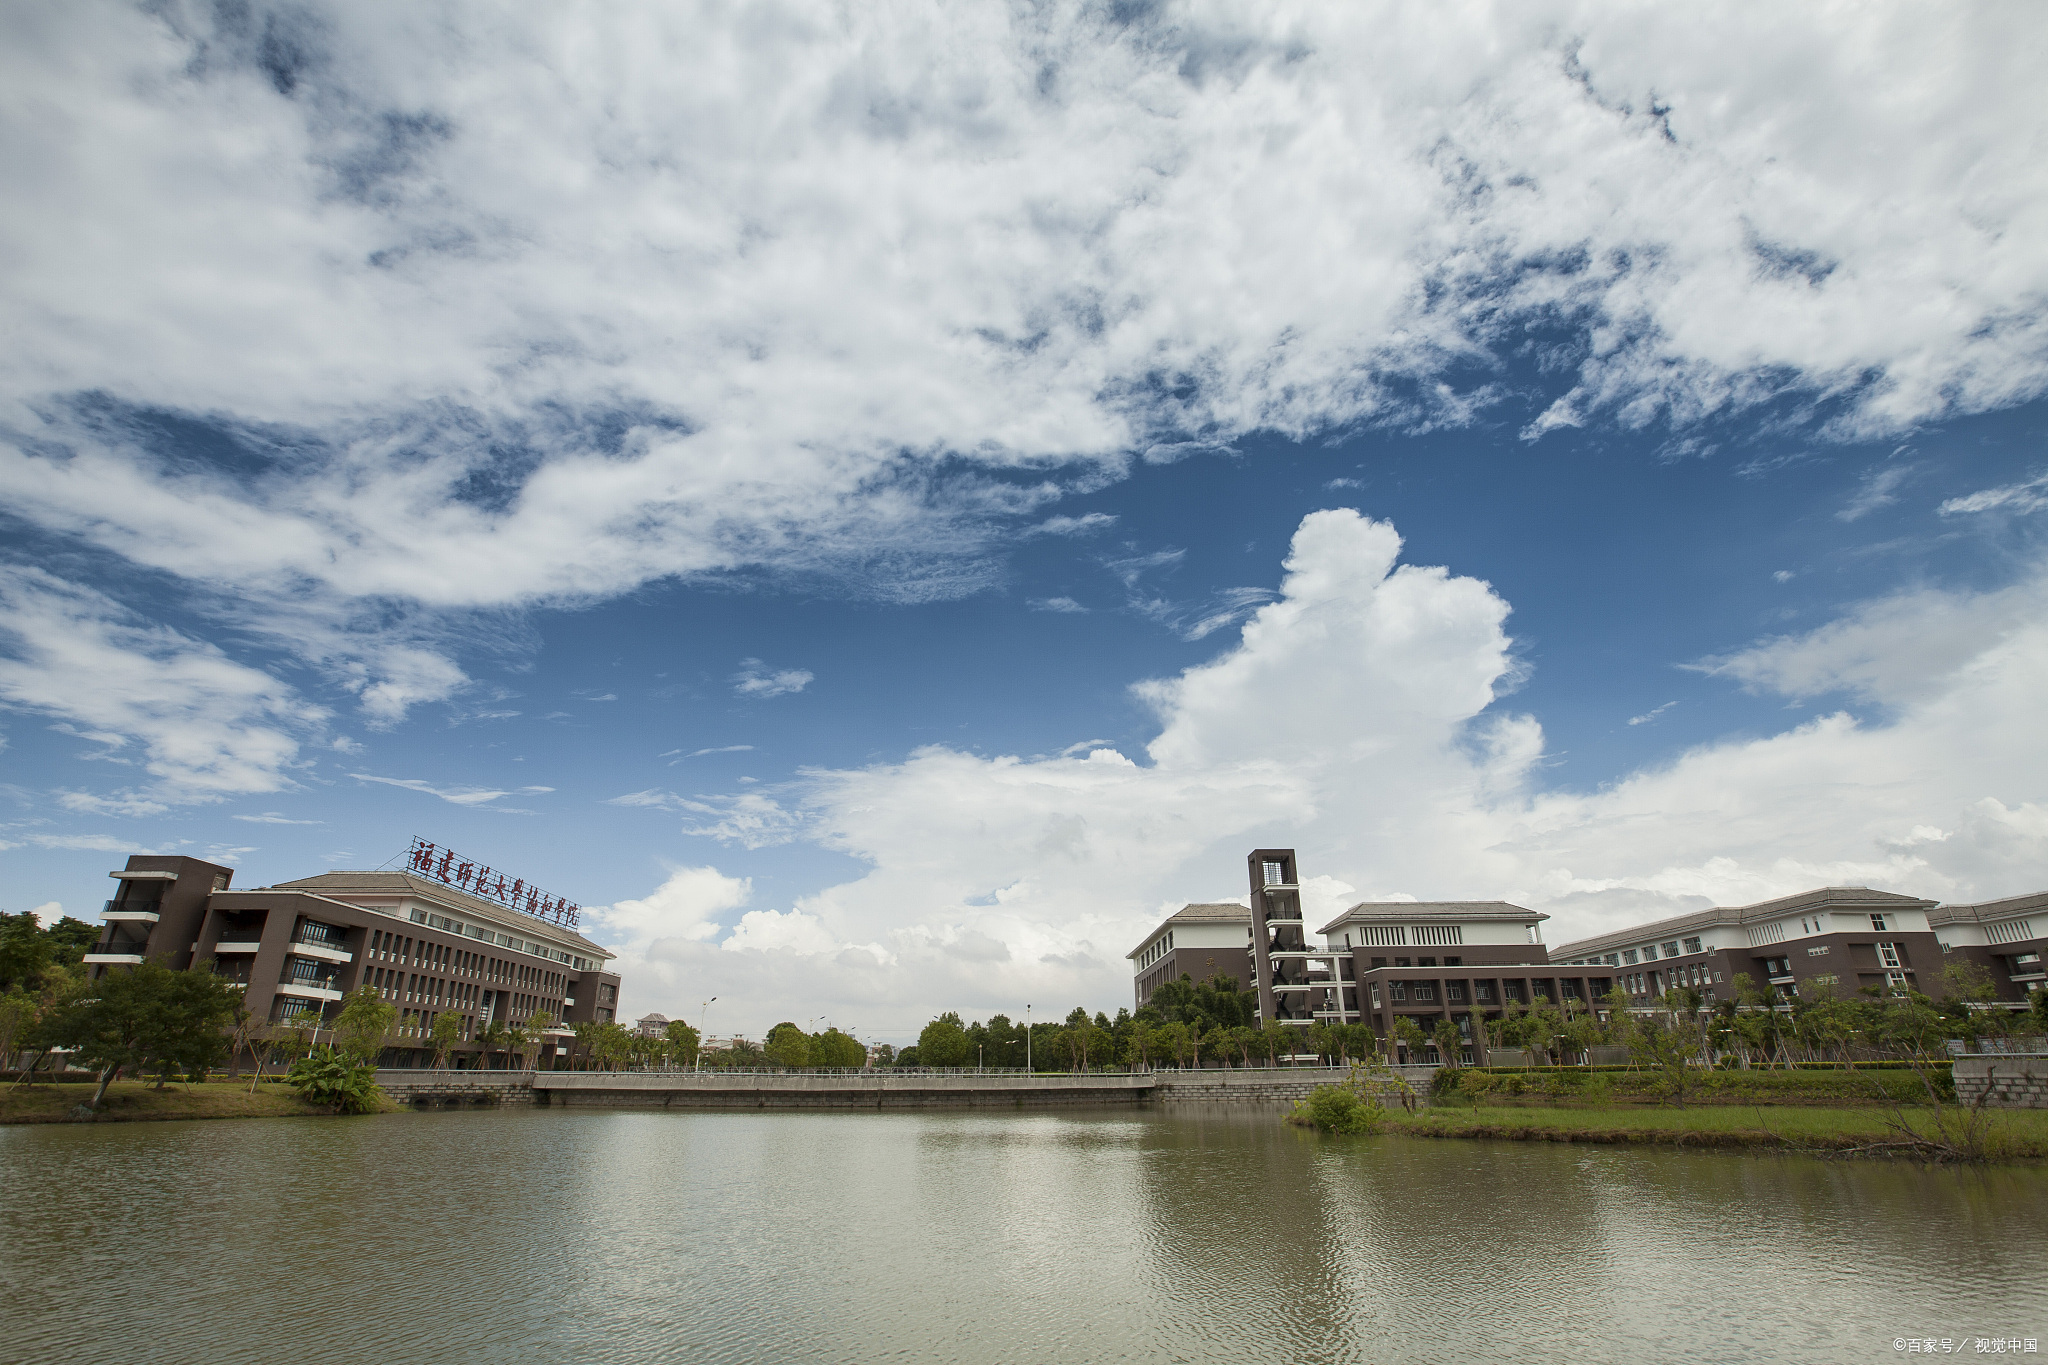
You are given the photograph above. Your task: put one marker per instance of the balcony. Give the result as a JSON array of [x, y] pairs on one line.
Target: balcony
[[139, 914], [308, 990], [117, 958], [236, 945], [322, 949]]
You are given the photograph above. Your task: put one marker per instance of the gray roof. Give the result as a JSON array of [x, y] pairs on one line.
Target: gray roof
[[1447, 912], [1197, 912], [1985, 911], [405, 884], [1736, 916]]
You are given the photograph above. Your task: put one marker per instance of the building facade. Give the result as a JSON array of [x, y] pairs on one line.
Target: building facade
[[297, 948], [1197, 941], [1427, 961], [1852, 935], [2005, 937]]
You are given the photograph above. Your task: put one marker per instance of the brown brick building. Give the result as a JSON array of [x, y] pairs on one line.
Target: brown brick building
[[297, 948]]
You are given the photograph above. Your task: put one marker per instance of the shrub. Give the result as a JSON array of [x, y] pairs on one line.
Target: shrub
[[1337, 1109], [328, 1078]]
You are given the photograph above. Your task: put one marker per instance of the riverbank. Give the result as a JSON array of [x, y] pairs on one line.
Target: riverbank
[[2015, 1135], [141, 1101]]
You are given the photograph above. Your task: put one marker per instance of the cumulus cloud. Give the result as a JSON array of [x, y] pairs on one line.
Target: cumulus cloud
[[756, 679], [1358, 719], [464, 326], [1060, 604]]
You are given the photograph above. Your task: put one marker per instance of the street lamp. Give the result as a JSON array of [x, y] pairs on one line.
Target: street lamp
[[1027, 1040], [703, 1022]]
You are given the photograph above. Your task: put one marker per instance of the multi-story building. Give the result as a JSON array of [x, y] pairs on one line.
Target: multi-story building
[[2005, 937], [1196, 941], [1427, 961], [651, 1025], [297, 948], [1853, 935]]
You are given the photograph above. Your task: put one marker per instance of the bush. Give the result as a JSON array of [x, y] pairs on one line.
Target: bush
[[1337, 1109], [329, 1079]]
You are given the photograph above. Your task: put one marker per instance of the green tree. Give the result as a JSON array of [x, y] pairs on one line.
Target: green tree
[[1409, 1034], [142, 1017], [18, 1015], [683, 1042], [1669, 1047], [788, 1046], [446, 1032], [1445, 1036], [25, 950], [838, 1050], [943, 1042], [540, 1024], [70, 940], [360, 1026]]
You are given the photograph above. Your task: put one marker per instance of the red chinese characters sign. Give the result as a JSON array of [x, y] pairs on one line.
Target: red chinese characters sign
[[451, 869]]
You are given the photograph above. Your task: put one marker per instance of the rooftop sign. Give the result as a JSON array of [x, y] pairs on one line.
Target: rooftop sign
[[451, 869]]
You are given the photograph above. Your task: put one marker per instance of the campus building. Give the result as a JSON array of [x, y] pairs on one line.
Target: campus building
[[298, 947], [2006, 938], [1382, 961], [1852, 934]]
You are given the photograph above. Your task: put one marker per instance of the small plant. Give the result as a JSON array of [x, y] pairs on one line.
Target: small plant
[[334, 1081], [1337, 1109]]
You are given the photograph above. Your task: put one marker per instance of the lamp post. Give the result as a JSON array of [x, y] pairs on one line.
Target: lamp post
[[1027, 1040], [703, 1022]]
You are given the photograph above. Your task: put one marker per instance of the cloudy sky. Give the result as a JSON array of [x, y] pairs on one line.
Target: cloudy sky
[[884, 501]]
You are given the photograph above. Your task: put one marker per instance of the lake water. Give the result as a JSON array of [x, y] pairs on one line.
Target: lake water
[[547, 1236]]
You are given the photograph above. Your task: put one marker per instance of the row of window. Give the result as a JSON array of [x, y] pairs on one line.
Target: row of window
[[1160, 948]]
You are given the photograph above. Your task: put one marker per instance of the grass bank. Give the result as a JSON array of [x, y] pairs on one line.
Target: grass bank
[[2013, 1135], [1608, 1087], [135, 1101]]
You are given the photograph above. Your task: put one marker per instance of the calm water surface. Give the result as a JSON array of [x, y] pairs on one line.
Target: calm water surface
[[571, 1237]]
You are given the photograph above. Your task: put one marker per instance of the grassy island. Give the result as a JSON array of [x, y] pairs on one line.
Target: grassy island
[[131, 1101]]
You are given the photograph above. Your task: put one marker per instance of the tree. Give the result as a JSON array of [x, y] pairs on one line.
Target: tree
[[1409, 1034], [1661, 1045], [517, 1036], [361, 1025], [1448, 1042], [788, 1046], [446, 1032], [24, 950], [18, 1015], [683, 1042], [943, 1042], [541, 1023], [833, 1048], [885, 1055], [145, 1016]]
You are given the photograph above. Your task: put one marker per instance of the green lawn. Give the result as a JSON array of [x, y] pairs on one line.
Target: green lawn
[[135, 1100], [2014, 1134]]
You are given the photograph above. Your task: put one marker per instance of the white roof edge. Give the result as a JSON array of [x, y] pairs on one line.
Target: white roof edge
[[589, 948]]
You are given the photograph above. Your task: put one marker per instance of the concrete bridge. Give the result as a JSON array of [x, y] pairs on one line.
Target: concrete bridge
[[855, 1090]]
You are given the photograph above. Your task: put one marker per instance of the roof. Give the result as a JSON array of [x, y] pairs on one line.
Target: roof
[[405, 884], [1197, 912], [652, 1019], [1736, 916], [1434, 911], [1985, 911]]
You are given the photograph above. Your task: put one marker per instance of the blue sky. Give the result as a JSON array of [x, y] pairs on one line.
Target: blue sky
[[882, 508]]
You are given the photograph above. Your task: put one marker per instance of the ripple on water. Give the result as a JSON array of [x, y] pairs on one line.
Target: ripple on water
[[569, 1237]]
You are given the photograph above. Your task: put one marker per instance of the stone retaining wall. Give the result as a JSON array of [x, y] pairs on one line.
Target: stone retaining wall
[[1262, 1085], [2011, 1082], [427, 1089]]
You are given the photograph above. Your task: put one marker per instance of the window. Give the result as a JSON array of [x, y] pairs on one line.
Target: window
[[1275, 874], [1611, 960], [1671, 950], [1482, 991], [1820, 950], [1454, 962], [1692, 945], [1424, 991], [1379, 962], [1382, 936], [1628, 957], [1888, 954], [1877, 923], [1439, 935], [1398, 990], [1425, 962], [1454, 991], [1403, 962]]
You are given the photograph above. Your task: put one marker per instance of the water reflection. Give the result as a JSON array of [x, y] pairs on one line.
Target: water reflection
[[962, 1237]]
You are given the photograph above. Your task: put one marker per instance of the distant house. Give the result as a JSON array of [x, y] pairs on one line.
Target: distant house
[[651, 1025]]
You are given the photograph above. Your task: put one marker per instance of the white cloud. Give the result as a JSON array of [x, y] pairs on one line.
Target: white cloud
[[2029, 496], [1072, 526], [1783, 576], [119, 803], [205, 725], [48, 913], [1061, 604], [271, 817], [1651, 714], [1357, 719], [493, 327], [460, 796], [1878, 488], [756, 679]]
